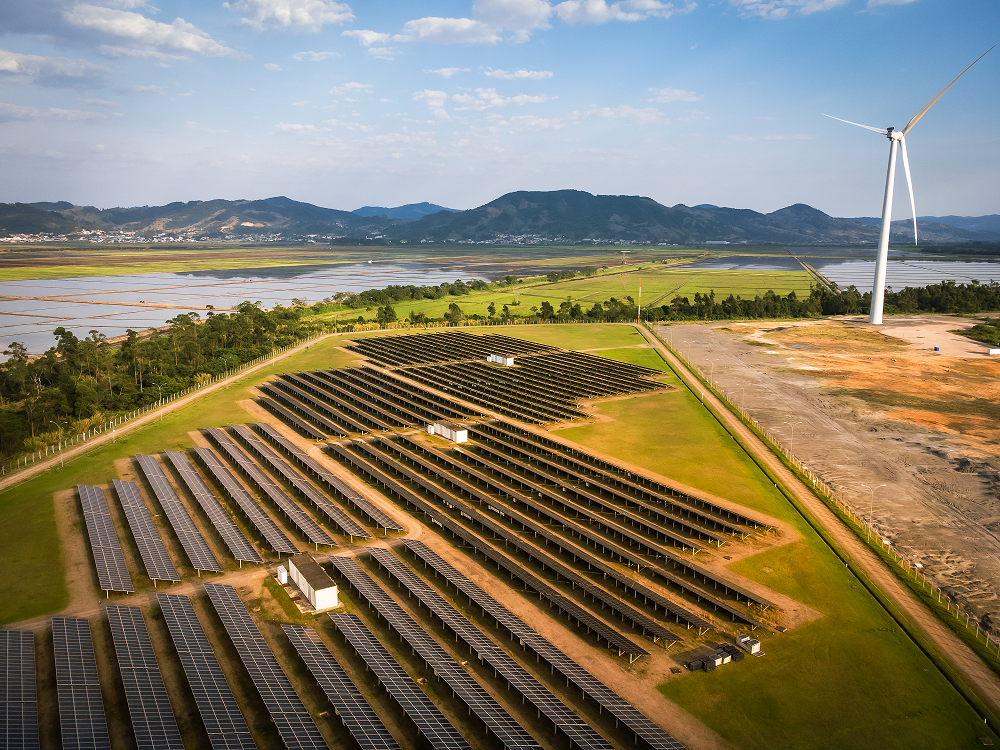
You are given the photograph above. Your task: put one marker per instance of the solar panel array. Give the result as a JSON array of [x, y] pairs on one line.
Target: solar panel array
[[154, 555], [223, 721], [152, 719], [112, 573], [327, 477], [81, 709], [18, 693], [441, 347], [312, 530], [296, 727], [301, 425], [590, 685], [254, 513], [481, 703], [303, 485], [190, 537], [581, 733], [359, 718], [429, 720], [237, 542]]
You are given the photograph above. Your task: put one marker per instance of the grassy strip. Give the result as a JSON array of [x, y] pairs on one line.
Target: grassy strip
[[903, 620], [281, 596]]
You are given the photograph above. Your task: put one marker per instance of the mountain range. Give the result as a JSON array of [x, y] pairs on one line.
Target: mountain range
[[569, 216]]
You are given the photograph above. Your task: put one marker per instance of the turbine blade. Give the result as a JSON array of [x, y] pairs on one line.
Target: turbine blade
[[922, 112], [909, 184], [866, 127]]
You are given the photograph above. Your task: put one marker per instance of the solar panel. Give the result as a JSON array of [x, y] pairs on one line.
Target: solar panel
[[590, 685], [347, 524], [327, 477], [112, 573], [223, 721], [581, 733], [154, 555], [312, 530], [81, 710], [152, 719], [294, 724], [18, 696], [429, 720], [237, 542], [254, 513], [354, 711], [300, 425], [190, 537]]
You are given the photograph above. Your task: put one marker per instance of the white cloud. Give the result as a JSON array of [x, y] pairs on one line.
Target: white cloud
[[876, 3], [366, 37], [384, 101], [448, 31], [145, 90], [447, 72], [490, 99], [293, 127], [521, 74], [14, 112], [349, 125], [435, 100], [646, 115], [674, 95], [272, 66], [179, 35], [113, 50], [531, 122], [301, 14], [598, 11], [51, 71], [519, 16], [352, 87], [383, 53], [101, 103], [300, 104], [314, 56], [778, 9]]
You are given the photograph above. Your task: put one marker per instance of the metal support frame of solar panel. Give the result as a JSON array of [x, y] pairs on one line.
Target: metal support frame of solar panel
[[188, 534], [653, 567], [555, 470], [159, 566], [254, 513], [353, 425], [349, 408], [632, 494], [295, 725], [347, 524], [633, 587], [288, 403], [427, 717], [148, 705], [112, 573], [433, 377], [237, 542], [348, 702], [328, 478], [225, 725], [367, 379], [289, 418], [18, 691], [371, 406], [578, 731], [312, 530], [479, 702], [609, 700], [81, 708]]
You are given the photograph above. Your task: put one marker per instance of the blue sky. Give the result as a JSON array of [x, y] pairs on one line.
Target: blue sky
[[344, 104]]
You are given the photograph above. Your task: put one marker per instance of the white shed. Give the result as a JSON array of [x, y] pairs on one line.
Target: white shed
[[282, 575], [450, 431], [313, 581], [501, 359], [751, 645]]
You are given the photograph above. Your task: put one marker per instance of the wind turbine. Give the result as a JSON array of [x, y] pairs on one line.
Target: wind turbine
[[896, 138]]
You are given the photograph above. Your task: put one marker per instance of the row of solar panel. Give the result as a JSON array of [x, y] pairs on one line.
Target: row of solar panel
[[441, 347]]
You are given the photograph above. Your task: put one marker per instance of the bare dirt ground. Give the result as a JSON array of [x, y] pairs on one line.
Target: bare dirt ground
[[909, 436]]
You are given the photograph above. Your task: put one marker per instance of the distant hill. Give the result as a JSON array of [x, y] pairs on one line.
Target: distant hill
[[409, 212], [24, 218]]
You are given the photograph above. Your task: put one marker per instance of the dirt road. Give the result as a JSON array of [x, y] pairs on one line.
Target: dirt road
[[983, 680]]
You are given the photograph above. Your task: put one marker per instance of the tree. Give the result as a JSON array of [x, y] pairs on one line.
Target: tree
[[492, 309], [386, 315], [454, 314], [547, 312]]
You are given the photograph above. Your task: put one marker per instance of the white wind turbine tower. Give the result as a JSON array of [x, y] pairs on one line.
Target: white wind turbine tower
[[896, 138]]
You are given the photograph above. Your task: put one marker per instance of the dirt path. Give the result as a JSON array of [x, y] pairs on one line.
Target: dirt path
[[41, 466], [983, 680]]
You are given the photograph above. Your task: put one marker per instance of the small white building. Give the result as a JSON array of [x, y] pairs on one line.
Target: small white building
[[456, 433], [501, 359], [313, 581], [750, 645], [282, 575]]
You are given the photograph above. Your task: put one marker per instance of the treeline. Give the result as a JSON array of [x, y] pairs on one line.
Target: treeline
[[80, 383]]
